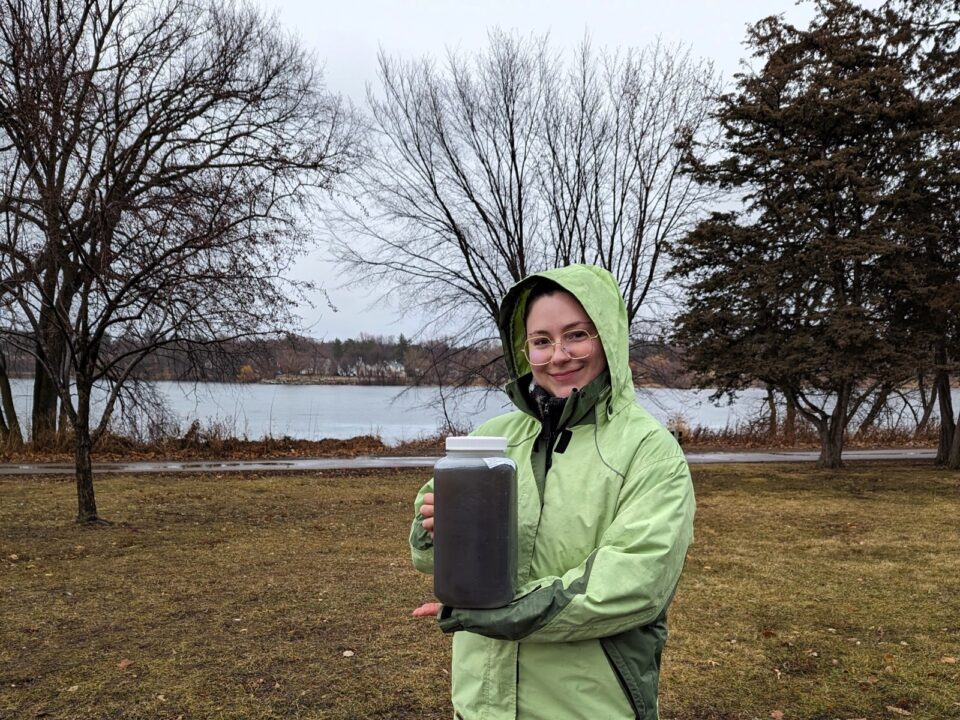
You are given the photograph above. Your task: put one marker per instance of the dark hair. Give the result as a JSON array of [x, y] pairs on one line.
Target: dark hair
[[541, 288]]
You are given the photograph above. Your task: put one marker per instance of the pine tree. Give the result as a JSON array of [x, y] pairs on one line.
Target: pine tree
[[929, 37], [795, 289]]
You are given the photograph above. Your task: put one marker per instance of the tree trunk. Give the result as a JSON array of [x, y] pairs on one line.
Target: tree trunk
[[947, 424], [953, 460], [9, 422], [879, 403], [63, 425], [50, 346], [790, 423], [86, 501], [832, 430], [772, 409], [43, 428], [928, 405], [831, 445]]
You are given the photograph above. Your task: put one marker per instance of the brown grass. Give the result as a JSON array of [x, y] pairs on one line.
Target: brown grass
[[212, 446], [822, 595]]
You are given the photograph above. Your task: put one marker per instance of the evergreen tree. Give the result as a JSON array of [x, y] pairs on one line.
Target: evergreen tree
[[794, 290], [928, 35]]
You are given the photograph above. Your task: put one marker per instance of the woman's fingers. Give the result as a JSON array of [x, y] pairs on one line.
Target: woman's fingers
[[429, 609], [426, 511]]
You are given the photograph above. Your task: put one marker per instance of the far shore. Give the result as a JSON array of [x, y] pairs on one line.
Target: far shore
[[286, 379]]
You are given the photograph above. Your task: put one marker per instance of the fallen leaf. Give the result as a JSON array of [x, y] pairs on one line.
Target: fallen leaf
[[948, 660], [348, 653], [125, 663], [768, 633], [898, 711], [161, 698], [777, 715], [73, 688], [888, 658]]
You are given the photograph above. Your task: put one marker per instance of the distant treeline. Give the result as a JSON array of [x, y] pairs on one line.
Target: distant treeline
[[368, 359]]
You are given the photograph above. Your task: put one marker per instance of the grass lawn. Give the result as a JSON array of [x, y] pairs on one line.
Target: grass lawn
[[814, 594]]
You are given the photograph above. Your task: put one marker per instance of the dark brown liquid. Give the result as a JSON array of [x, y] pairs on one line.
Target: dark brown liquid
[[475, 533]]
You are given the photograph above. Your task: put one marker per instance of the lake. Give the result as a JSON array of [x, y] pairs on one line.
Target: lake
[[313, 412]]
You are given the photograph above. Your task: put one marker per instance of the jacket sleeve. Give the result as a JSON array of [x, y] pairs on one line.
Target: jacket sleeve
[[626, 582], [421, 544]]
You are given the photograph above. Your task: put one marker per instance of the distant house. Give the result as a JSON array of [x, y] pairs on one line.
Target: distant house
[[391, 370]]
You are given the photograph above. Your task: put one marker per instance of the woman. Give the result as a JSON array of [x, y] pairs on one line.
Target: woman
[[605, 509]]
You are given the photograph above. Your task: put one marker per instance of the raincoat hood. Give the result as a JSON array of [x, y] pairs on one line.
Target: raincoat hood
[[597, 291]]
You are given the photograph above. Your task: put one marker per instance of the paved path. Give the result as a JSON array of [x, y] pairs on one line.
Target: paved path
[[308, 464]]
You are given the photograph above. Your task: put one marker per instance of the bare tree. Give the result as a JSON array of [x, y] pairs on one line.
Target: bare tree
[[511, 161], [159, 163]]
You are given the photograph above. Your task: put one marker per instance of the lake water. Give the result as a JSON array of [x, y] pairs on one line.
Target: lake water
[[313, 412]]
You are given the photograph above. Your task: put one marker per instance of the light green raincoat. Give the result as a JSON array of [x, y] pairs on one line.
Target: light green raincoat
[[602, 538]]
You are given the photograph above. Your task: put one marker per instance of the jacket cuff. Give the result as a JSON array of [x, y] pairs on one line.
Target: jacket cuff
[[448, 623]]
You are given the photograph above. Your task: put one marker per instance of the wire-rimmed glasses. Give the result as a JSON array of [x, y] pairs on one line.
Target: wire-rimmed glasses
[[576, 344]]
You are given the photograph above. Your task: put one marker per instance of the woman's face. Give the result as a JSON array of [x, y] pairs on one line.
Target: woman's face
[[551, 316]]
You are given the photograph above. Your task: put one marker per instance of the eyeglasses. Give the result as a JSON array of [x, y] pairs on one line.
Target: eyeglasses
[[577, 344]]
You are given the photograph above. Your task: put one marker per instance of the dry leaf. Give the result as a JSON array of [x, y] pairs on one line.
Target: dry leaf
[[888, 657], [125, 663], [948, 660], [898, 711], [348, 653], [73, 688], [161, 698], [777, 715]]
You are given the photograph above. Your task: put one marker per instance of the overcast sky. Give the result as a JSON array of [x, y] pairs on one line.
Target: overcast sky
[[346, 36]]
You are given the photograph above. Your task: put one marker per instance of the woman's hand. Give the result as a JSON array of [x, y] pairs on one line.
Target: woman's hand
[[426, 509], [429, 609]]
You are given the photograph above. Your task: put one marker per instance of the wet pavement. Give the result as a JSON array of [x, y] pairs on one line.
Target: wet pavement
[[366, 462]]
